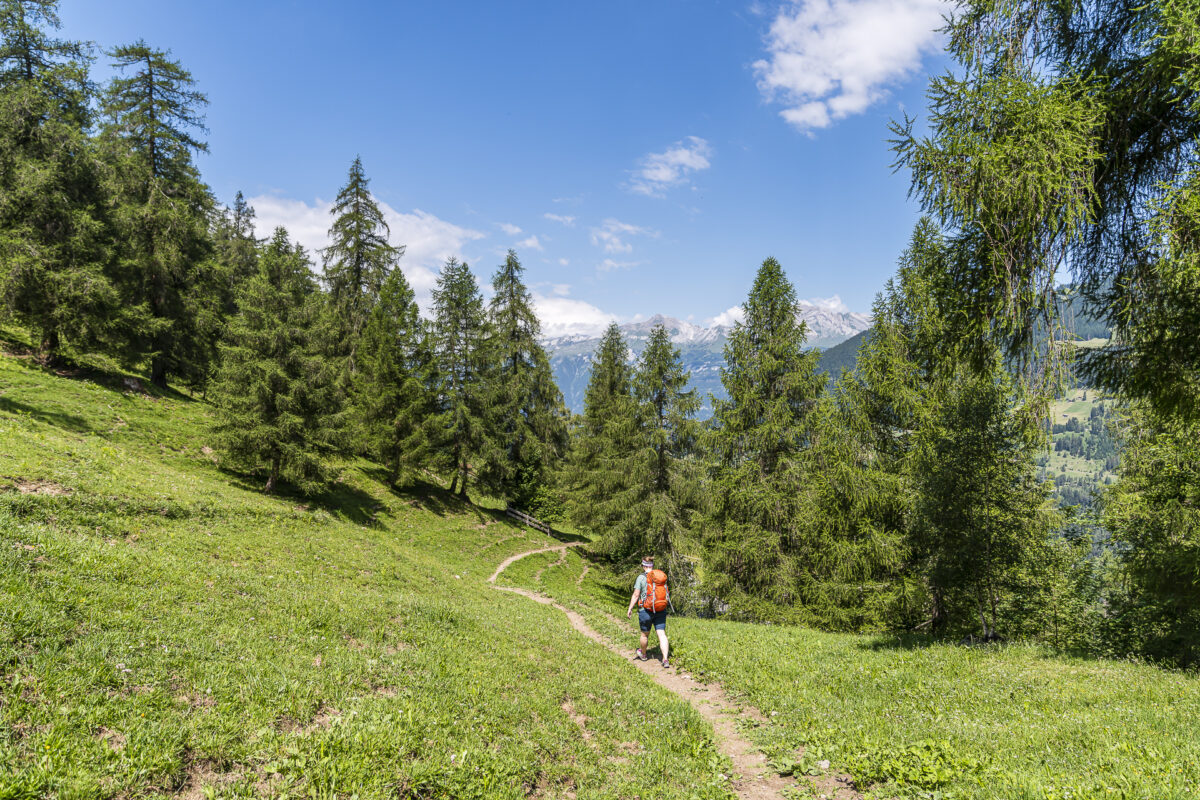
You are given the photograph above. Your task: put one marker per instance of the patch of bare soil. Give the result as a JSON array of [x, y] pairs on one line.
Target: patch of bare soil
[[580, 720], [203, 775], [753, 779], [114, 739], [40, 487]]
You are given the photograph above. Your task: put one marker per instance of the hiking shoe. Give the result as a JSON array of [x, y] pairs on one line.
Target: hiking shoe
[[665, 664], [639, 655]]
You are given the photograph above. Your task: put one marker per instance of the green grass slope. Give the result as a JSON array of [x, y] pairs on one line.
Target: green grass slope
[[910, 717], [167, 630]]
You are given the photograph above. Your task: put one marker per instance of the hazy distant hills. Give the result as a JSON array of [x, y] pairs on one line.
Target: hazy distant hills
[[701, 348]]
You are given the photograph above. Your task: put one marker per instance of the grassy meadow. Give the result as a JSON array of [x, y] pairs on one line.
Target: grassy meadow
[[913, 718], [167, 630]]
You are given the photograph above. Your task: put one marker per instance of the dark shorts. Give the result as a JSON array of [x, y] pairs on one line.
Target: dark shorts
[[648, 620]]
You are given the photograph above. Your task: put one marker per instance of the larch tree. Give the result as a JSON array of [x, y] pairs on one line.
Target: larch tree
[[392, 397], [162, 207], [525, 406], [357, 260], [1067, 137], [754, 533], [55, 258], [463, 438], [277, 408]]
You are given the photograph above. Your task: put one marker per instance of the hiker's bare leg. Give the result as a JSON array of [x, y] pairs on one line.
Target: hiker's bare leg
[[645, 640], [662, 643]]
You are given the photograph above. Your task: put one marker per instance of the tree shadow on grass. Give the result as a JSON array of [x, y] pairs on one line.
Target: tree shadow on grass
[[59, 419], [338, 499], [425, 495], [899, 641]]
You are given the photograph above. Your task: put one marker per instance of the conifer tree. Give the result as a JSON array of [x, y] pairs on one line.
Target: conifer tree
[[1153, 511], [54, 256], [652, 477], [603, 438], [979, 525], [525, 405], [392, 391], [755, 545], [277, 408], [357, 260], [237, 247], [1066, 137], [162, 206], [460, 348]]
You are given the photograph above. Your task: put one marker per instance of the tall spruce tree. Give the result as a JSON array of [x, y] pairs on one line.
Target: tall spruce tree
[[980, 526], [237, 247], [162, 206], [464, 439], [643, 479], [525, 405], [55, 258], [1153, 511], [603, 438], [277, 407], [754, 540], [357, 260], [393, 388]]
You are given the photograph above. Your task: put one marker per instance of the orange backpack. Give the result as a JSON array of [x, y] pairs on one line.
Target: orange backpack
[[656, 591]]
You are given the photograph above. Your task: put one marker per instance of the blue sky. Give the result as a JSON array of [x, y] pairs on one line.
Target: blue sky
[[642, 157]]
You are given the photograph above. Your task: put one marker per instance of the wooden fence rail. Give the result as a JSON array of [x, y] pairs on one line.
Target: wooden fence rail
[[532, 522]]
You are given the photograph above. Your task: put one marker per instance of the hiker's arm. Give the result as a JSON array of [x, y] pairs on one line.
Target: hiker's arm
[[633, 598]]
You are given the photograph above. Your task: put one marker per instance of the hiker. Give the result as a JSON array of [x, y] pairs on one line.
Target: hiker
[[652, 598]]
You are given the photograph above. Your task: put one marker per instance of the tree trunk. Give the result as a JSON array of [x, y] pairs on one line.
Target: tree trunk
[[49, 347], [273, 478], [158, 371]]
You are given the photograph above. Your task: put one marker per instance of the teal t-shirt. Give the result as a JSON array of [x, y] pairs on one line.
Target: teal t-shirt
[[640, 586]]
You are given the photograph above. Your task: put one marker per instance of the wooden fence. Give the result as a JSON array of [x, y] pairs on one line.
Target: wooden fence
[[532, 522]]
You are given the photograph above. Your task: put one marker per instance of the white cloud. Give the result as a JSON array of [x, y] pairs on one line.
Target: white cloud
[[564, 316], [565, 220], [729, 316], [833, 58], [611, 235], [828, 303], [660, 171], [428, 240], [509, 228], [563, 262], [531, 243]]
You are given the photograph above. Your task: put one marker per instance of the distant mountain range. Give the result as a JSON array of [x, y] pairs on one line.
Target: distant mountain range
[[702, 350]]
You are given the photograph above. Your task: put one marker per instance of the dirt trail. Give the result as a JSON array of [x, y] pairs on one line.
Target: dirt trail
[[753, 779]]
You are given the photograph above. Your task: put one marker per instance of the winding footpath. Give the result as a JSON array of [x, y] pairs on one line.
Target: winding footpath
[[752, 779]]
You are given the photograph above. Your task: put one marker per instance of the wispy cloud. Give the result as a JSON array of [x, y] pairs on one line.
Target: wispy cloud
[[428, 240], [565, 220], [609, 265], [672, 167], [509, 228], [829, 59], [531, 243], [613, 235]]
